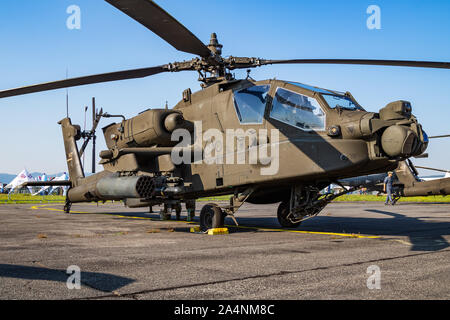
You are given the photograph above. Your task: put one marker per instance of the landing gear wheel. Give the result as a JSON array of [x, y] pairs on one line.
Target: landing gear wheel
[[283, 211], [211, 216], [178, 211]]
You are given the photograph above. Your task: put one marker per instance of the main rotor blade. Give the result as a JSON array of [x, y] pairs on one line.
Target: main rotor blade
[[395, 63], [437, 137], [422, 156], [433, 169], [98, 78], [150, 15]]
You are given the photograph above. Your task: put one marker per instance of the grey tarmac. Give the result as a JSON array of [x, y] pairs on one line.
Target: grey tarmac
[[130, 254]]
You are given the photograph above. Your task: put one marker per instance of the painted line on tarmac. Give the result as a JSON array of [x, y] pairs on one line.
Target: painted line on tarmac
[[348, 235], [40, 207]]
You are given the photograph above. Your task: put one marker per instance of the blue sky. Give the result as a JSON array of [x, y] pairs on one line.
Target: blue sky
[[38, 47]]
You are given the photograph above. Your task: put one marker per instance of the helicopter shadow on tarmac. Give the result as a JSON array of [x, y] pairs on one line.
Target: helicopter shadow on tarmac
[[422, 235], [99, 281]]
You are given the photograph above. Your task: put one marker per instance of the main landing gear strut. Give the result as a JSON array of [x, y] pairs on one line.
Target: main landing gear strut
[[304, 203]]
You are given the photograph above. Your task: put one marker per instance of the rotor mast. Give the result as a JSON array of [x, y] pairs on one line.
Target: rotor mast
[[217, 68]]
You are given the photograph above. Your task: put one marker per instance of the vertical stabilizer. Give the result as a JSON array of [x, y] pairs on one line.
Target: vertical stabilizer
[[72, 133]]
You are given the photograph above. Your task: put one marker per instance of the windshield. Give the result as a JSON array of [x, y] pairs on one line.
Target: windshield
[[343, 102], [297, 110], [250, 103]]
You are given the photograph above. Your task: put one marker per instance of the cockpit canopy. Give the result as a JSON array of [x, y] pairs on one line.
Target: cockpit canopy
[[297, 110], [334, 99], [305, 111]]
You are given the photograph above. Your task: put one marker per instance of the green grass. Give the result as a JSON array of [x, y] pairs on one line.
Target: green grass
[[27, 198], [357, 197], [217, 198]]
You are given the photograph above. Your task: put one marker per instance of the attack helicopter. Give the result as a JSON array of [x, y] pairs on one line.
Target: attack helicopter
[[406, 182], [284, 141]]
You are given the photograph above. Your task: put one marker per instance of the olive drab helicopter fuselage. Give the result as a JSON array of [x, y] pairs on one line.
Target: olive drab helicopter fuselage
[[260, 141], [317, 143]]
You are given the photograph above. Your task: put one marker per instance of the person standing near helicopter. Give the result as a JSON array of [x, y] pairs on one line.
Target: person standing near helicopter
[[387, 188]]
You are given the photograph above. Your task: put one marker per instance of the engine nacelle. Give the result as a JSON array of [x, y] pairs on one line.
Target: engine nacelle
[[149, 128]]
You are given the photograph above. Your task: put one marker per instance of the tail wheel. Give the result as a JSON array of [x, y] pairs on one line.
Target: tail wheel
[[282, 213], [211, 216]]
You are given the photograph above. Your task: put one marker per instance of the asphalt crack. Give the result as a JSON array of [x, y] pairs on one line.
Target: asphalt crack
[[264, 276]]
